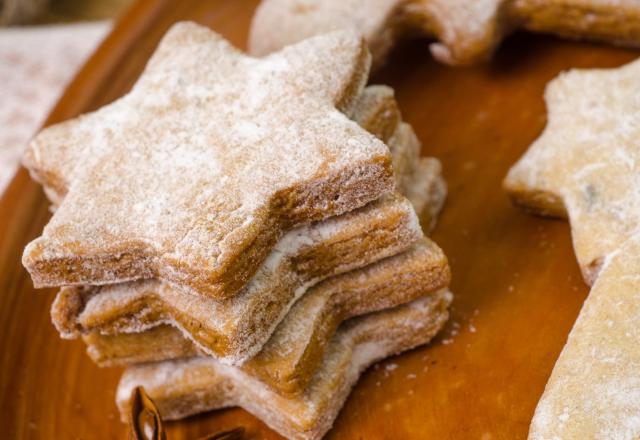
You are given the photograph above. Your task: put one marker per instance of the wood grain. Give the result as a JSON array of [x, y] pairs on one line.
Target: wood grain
[[518, 288], [65, 11]]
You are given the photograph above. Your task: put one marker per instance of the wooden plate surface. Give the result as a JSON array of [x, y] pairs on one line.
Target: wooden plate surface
[[517, 285]]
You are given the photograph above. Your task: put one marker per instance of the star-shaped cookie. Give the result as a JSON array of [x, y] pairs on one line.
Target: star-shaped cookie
[[594, 390], [234, 330], [194, 175], [586, 163], [189, 386], [585, 166], [467, 31]]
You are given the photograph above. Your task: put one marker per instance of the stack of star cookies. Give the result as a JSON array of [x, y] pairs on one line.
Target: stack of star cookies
[[243, 231]]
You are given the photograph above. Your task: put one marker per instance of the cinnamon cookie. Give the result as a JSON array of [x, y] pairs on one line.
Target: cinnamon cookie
[[194, 175], [468, 31], [184, 387], [294, 351], [235, 329], [585, 166]]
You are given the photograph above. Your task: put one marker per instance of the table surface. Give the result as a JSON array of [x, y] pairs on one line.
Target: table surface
[[66, 11], [518, 289]]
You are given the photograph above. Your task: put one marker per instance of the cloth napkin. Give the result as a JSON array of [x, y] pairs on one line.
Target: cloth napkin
[[36, 63]]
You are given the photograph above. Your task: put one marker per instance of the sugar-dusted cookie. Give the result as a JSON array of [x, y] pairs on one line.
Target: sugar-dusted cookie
[[194, 175], [613, 21], [233, 330], [586, 163], [294, 351], [594, 390], [585, 166], [376, 110], [467, 30], [418, 178], [185, 387]]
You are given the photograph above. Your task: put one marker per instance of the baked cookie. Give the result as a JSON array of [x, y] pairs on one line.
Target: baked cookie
[[585, 167], [235, 329], [184, 387], [294, 351], [418, 178], [376, 110], [467, 31], [594, 390], [616, 22], [194, 175], [586, 163]]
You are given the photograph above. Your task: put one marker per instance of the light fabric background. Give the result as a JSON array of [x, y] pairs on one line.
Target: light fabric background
[[35, 65]]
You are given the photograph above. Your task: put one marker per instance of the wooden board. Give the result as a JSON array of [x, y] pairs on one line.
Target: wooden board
[[518, 288]]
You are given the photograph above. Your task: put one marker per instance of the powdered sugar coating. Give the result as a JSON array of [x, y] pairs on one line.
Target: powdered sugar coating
[[613, 21], [419, 270], [236, 328], [245, 321], [468, 30], [277, 23], [585, 166], [294, 351], [181, 388], [594, 390], [586, 163], [288, 358], [194, 174], [429, 181]]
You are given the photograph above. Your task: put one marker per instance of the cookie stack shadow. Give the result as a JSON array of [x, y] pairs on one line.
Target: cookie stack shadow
[[301, 314]]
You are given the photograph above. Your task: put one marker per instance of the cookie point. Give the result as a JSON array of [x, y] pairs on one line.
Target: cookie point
[[442, 53], [186, 27], [31, 254]]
